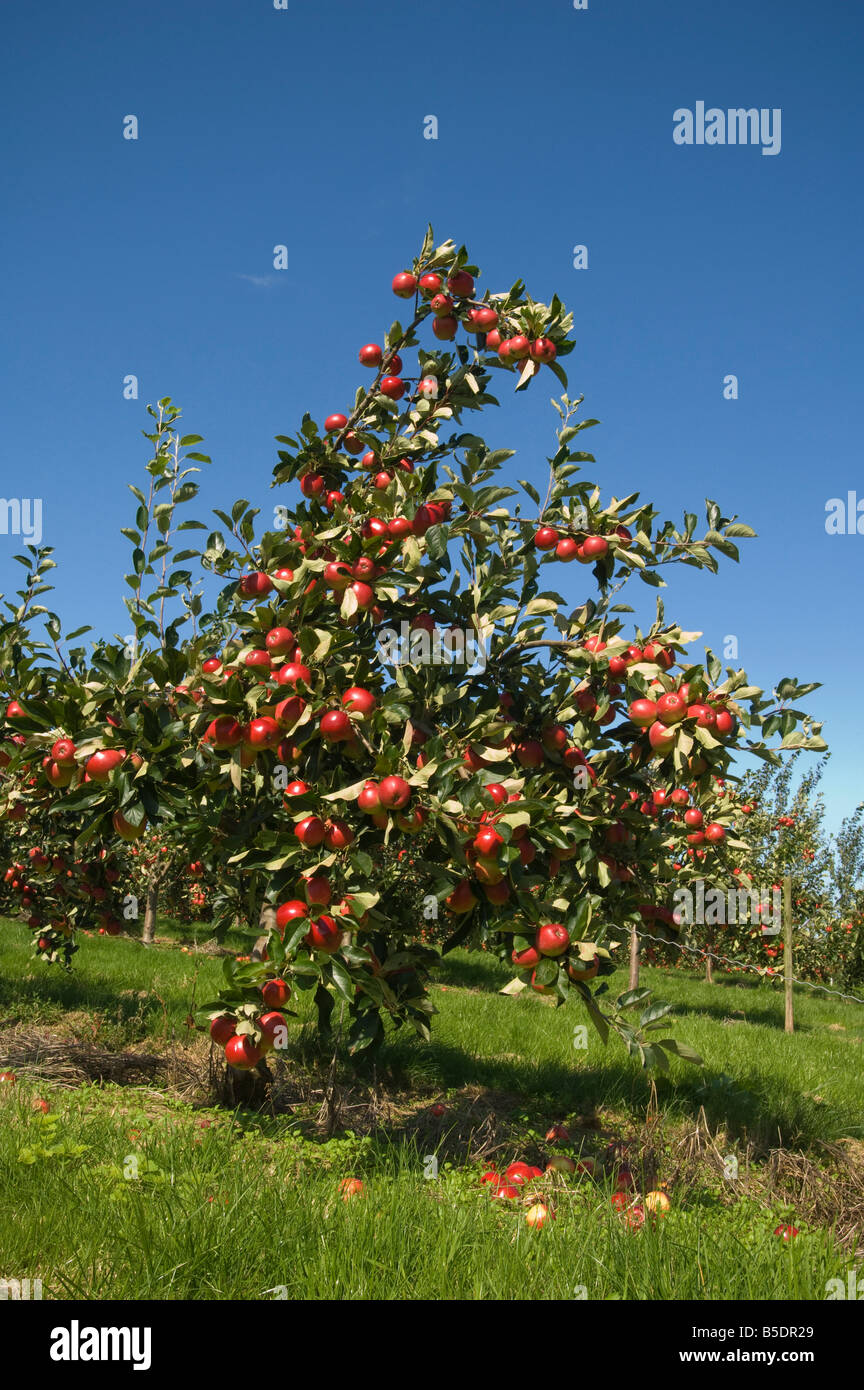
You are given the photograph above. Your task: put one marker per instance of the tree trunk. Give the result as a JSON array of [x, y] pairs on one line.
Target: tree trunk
[[789, 1024], [634, 958], [709, 964], [266, 923], [151, 907], [250, 1090]]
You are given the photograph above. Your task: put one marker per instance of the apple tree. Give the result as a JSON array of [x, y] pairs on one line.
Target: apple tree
[[385, 672]]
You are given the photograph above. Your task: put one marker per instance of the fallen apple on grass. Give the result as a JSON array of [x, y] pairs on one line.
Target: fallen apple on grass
[[538, 1214], [522, 1173], [635, 1217], [561, 1163], [351, 1187], [657, 1203], [558, 1134]]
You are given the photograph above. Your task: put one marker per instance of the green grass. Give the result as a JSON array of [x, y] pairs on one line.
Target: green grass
[[275, 1219], [236, 1211], [128, 991], [757, 1081]]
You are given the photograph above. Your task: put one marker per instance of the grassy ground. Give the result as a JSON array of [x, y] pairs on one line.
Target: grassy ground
[[172, 1200]]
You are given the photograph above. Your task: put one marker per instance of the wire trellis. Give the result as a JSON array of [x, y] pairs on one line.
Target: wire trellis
[[704, 954]]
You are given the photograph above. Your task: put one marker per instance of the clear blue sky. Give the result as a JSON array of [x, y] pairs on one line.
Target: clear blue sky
[[305, 127]]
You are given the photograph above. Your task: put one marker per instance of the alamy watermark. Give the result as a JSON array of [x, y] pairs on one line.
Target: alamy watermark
[[20, 1290], [77, 1343], [714, 907], [732, 127], [22, 516], [852, 1289], [845, 515], [417, 646]]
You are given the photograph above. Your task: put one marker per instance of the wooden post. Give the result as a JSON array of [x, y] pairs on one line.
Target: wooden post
[[151, 907], [634, 958], [787, 952]]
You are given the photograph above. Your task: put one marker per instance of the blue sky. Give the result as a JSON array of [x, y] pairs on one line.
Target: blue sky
[[305, 127]]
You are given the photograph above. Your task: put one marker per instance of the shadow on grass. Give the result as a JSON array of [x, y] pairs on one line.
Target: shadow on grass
[[766, 1018], [132, 1011], [461, 971], [201, 933], [766, 1111]]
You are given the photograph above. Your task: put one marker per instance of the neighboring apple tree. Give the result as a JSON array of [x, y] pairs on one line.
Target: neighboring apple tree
[[785, 822], [386, 731]]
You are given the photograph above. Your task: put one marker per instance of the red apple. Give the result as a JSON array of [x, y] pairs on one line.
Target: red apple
[[335, 726], [290, 911], [404, 284], [125, 829], [394, 793], [441, 304], [264, 732], [369, 799], [100, 766], [338, 834], [526, 958], [271, 1025], [324, 935], [461, 284], [581, 970], [279, 641], [567, 549], [275, 993], [63, 751], [671, 708], [482, 319], [488, 842], [546, 538], [543, 350], [430, 284], [288, 711], [242, 1053], [462, 898], [558, 1134], [222, 1029], [255, 585], [293, 672], [445, 328], [318, 890], [662, 738], [310, 831], [364, 595], [552, 939], [529, 753], [522, 1173], [359, 701]]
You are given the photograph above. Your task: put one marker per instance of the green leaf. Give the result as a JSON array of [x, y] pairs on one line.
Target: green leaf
[[682, 1050]]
